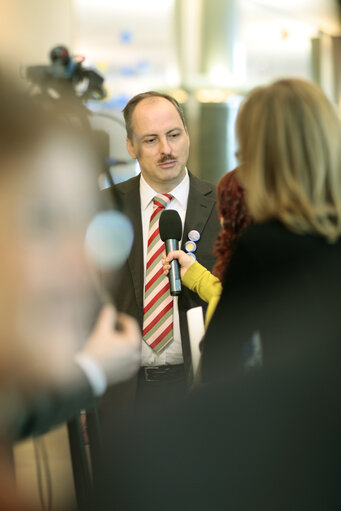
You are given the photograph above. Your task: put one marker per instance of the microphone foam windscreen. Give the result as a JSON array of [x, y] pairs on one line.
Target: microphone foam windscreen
[[170, 225], [109, 239]]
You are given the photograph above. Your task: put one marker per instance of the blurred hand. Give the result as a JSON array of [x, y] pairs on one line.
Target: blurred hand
[[185, 261], [115, 344]]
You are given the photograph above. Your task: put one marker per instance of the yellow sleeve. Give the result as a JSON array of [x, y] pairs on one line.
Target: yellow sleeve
[[198, 279], [201, 281]]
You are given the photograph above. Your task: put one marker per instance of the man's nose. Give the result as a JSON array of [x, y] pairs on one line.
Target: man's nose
[[165, 147]]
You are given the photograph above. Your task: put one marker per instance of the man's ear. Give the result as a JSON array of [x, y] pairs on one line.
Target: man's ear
[[130, 148]]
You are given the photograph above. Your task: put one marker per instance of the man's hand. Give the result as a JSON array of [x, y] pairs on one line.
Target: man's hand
[[115, 345]]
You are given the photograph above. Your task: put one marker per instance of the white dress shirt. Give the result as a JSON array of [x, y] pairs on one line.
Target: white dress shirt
[[172, 353]]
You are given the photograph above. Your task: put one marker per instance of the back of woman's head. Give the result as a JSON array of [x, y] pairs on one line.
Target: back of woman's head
[[289, 143], [234, 218], [232, 209]]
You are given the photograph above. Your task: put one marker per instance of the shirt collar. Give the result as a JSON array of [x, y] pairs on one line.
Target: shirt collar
[[180, 192]]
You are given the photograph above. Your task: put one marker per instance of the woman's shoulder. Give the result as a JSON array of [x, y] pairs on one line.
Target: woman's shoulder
[[272, 241], [263, 237], [264, 230]]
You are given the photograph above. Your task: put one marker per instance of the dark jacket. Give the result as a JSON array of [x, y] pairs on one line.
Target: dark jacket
[[286, 287]]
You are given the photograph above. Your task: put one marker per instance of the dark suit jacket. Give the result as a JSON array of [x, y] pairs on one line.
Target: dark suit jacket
[[285, 286], [201, 215]]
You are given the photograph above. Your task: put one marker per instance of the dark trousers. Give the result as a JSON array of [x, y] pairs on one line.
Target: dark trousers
[[159, 385]]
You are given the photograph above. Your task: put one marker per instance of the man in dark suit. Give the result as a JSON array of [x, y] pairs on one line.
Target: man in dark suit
[[157, 137]]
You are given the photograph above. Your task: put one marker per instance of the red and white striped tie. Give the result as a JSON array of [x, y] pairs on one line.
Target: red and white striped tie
[[158, 302]]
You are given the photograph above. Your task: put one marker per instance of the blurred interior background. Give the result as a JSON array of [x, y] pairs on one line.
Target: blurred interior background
[[207, 53]]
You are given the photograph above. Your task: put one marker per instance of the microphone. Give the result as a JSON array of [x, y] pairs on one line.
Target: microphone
[[170, 228], [109, 239]]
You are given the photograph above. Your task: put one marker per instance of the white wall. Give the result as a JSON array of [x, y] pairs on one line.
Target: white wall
[[30, 28]]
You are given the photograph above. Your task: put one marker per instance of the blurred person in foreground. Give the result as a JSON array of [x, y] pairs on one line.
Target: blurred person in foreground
[[266, 438], [48, 370]]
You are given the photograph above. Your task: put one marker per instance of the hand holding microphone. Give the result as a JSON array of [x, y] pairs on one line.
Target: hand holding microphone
[[185, 261], [170, 228]]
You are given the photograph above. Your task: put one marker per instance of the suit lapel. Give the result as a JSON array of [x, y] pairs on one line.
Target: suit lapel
[[201, 200]]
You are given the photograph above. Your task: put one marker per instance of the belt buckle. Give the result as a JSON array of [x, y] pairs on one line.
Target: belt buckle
[[148, 372]]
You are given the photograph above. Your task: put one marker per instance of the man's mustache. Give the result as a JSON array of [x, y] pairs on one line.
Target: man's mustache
[[167, 157]]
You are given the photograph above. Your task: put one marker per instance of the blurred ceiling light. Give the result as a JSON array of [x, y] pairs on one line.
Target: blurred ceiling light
[[219, 75], [172, 76], [179, 94], [213, 95]]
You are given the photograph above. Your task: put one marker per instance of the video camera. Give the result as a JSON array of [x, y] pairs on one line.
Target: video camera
[[66, 79], [65, 74]]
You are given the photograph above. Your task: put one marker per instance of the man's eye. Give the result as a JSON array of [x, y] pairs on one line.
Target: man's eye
[[174, 135], [150, 140]]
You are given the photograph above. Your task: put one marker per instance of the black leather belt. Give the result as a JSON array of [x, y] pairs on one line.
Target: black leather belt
[[162, 373]]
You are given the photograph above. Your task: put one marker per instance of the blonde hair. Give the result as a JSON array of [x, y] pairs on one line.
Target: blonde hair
[[290, 149]]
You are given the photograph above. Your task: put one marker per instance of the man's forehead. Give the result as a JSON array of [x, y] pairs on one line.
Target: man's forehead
[[154, 100], [154, 108]]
